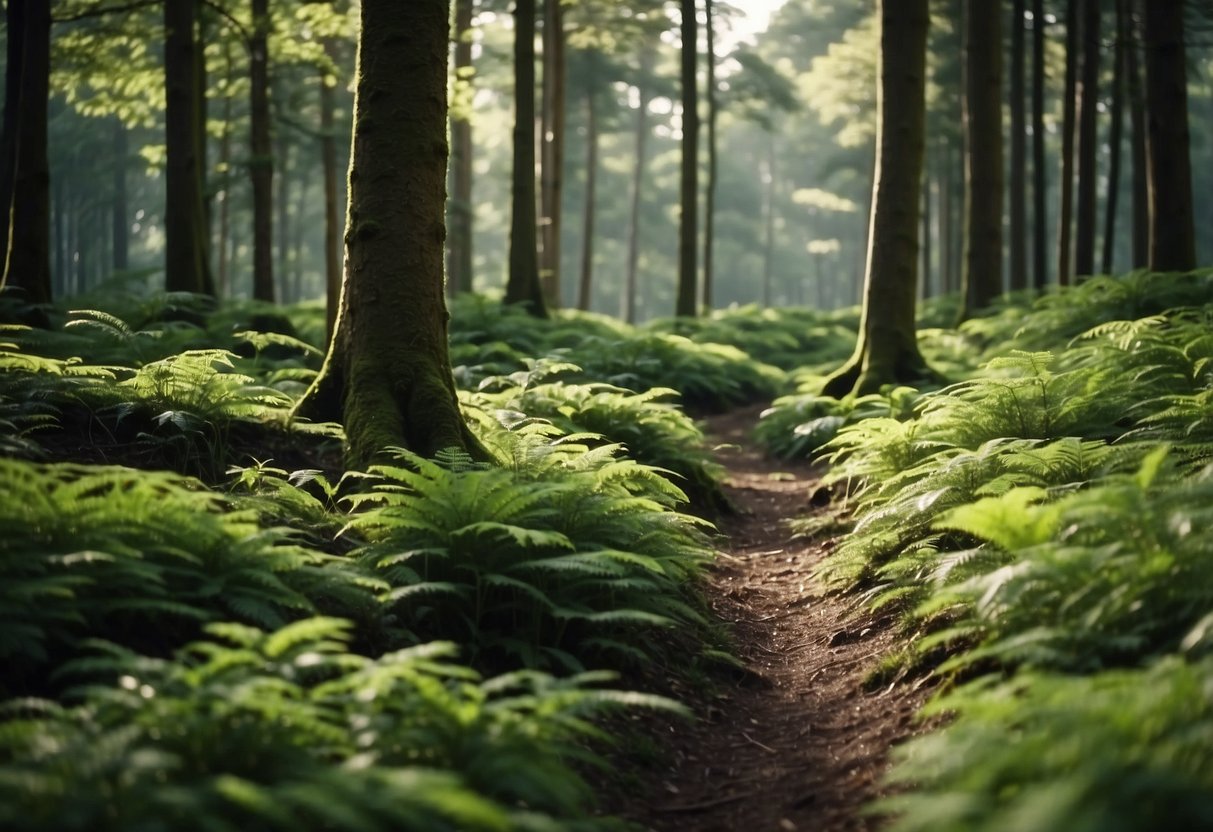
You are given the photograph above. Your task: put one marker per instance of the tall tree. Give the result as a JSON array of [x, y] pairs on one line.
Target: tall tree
[[522, 284], [1115, 133], [1040, 179], [185, 238], [387, 375], [459, 240], [1172, 227], [709, 205], [688, 223], [887, 347], [1088, 174], [1066, 211], [27, 212], [1019, 181], [647, 58], [585, 283], [1137, 120], [982, 118], [552, 143], [261, 159]]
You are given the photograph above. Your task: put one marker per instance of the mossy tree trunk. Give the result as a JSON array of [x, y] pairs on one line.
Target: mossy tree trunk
[[522, 284], [387, 375], [185, 238], [1172, 227], [887, 350], [27, 230], [688, 223], [982, 116]]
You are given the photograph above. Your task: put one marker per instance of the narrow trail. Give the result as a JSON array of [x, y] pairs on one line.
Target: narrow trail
[[797, 743]]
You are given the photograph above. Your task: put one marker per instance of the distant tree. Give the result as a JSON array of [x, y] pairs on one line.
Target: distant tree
[[1019, 181], [261, 155], [1040, 178], [709, 203], [982, 108], [688, 224], [522, 284], [628, 311], [1065, 215], [552, 140], [387, 376], [1172, 227], [1137, 123], [25, 188], [1115, 134], [1088, 173], [460, 209], [185, 236], [887, 348]]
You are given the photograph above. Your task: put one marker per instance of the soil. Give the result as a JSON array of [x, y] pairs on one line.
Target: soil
[[800, 740]]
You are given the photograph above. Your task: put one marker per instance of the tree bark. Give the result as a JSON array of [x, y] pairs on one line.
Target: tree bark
[[887, 349], [1115, 135], [709, 207], [1019, 179], [261, 161], [461, 209], [27, 261], [982, 117], [647, 58], [552, 143], [1137, 119], [1088, 174], [586, 284], [14, 46], [1040, 187], [1065, 216], [522, 285], [387, 374], [1172, 227], [185, 249], [688, 224]]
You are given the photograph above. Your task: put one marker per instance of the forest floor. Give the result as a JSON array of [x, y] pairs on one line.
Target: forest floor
[[800, 740]]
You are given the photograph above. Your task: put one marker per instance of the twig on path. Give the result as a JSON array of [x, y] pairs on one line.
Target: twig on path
[[757, 743], [707, 804]]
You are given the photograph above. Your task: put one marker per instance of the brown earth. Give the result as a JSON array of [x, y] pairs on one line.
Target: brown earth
[[799, 741]]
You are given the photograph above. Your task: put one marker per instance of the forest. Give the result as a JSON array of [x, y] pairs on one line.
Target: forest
[[606, 415]]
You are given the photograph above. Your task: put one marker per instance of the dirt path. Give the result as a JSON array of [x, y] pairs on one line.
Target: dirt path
[[798, 744]]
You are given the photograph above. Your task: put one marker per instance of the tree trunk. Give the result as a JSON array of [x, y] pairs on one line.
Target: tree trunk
[[1115, 135], [283, 231], [460, 207], [1064, 219], [982, 117], [586, 284], [1040, 188], [261, 160], [332, 228], [1137, 118], [887, 348], [944, 221], [924, 279], [1019, 179], [647, 58], [552, 142], [1172, 227], [14, 45], [185, 260], [1088, 174], [119, 228], [387, 374], [688, 224], [28, 257], [709, 207], [768, 213], [225, 168], [522, 285]]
